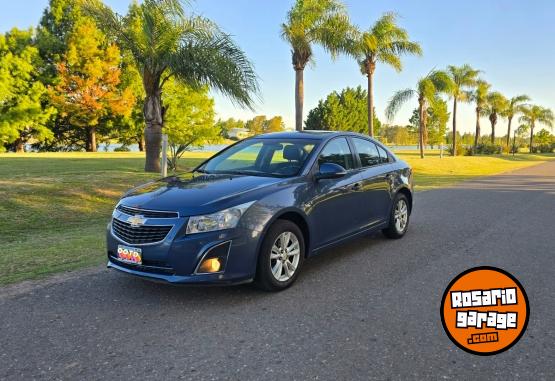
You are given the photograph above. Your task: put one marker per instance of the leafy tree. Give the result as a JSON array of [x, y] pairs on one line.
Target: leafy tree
[[532, 114], [398, 135], [436, 126], [226, 125], [427, 90], [56, 25], [344, 111], [89, 77], [384, 42], [189, 119], [309, 22], [275, 124], [166, 43], [544, 137], [463, 79], [22, 114], [480, 97], [128, 129], [260, 125], [514, 106], [256, 124], [494, 107]]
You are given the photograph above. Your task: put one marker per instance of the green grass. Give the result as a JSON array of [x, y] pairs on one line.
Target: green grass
[[55, 206], [433, 171]]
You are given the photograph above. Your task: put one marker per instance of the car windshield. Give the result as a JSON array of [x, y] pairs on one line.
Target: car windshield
[[262, 157]]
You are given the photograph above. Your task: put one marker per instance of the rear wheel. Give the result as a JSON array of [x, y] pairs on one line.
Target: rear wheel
[[399, 218], [281, 256]]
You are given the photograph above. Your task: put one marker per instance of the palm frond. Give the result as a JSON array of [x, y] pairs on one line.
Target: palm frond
[[397, 101], [463, 78], [207, 56], [323, 22], [385, 42]]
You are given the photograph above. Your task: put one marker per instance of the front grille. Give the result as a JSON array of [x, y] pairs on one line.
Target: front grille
[[139, 234], [147, 213]]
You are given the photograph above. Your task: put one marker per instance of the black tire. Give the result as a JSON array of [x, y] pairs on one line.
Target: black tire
[[265, 279], [393, 231]]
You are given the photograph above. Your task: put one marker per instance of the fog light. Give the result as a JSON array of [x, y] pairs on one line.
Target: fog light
[[210, 265]]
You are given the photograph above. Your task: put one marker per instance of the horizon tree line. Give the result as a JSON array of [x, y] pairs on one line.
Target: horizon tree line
[[164, 43]]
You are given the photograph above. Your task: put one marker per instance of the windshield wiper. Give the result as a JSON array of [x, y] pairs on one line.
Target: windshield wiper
[[201, 171]]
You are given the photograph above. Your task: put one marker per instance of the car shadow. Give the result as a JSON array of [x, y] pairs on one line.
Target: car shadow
[[133, 288]]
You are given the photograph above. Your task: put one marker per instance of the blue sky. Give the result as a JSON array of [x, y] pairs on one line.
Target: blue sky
[[512, 41]]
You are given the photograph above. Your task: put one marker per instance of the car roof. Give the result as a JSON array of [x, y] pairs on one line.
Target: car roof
[[308, 134]]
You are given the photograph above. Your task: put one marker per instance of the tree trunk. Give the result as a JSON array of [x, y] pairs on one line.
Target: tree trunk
[[19, 146], [531, 137], [370, 75], [421, 128], [141, 143], [454, 126], [493, 122], [509, 132], [153, 114], [299, 99], [477, 129], [91, 143]]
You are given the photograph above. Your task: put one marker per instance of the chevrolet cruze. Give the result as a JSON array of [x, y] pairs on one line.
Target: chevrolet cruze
[[256, 210]]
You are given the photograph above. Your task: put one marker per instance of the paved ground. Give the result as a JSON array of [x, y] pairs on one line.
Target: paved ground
[[369, 310]]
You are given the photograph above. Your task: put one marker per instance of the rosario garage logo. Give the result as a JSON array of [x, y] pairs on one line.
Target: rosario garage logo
[[485, 310]]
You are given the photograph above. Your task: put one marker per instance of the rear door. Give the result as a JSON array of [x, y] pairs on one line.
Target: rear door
[[335, 204], [375, 180]]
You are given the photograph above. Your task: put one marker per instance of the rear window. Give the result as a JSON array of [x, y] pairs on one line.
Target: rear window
[[384, 157], [367, 152]]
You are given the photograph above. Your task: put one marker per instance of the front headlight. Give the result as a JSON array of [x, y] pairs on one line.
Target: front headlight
[[224, 219]]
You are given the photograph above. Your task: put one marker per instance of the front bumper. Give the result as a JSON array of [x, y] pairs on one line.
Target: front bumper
[[175, 259], [200, 279]]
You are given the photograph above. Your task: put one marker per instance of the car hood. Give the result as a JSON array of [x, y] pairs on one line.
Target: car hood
[[191, 194]]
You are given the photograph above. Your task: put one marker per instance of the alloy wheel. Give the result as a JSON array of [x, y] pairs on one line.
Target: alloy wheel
[[285, 255], [401, 215]]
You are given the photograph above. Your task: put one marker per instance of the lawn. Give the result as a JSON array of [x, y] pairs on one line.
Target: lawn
[[55, 206]]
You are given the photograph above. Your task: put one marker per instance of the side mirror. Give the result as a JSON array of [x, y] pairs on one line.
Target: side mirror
[[330, 171]]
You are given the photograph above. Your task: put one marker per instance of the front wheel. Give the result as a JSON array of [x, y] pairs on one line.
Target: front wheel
[[281, 256], [399, 217]]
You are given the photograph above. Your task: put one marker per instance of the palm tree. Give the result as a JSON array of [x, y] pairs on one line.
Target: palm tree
[[514, 106], [533, 114], [385, 42], [323, 22], [479, 97], [463, 78], [166, 43], [427, 89], [495, 106]]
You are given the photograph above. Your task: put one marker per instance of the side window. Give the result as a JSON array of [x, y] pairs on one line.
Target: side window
[[367, 152], [384, 158], [337, 151]]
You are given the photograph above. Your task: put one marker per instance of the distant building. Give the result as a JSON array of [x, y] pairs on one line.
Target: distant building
[[238, 133]]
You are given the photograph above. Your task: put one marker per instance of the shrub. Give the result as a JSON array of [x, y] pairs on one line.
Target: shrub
[[461, 150], [488, 149], [543, 148], [123, 148]]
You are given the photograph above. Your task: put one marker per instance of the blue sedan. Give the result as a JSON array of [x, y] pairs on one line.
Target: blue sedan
[[256, 210]]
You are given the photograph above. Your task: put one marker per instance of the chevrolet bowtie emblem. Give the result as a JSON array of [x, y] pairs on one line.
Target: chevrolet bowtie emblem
[[136, 220]]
